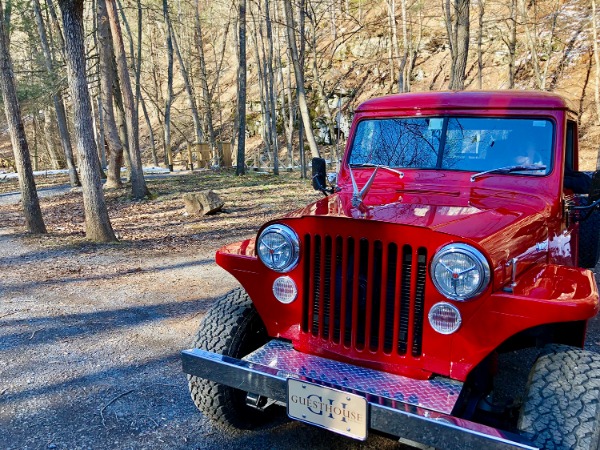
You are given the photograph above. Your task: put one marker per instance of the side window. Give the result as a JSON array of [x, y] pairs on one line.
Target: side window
[[570, 147]]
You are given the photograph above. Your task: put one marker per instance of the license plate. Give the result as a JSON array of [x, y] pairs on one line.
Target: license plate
[[328, 408]]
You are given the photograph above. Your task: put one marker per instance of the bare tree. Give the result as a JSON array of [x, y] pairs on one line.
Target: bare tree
[[597, 61], [169, 99], [300, 92], [458, 36], [57, 98], [241, 112], [97, 222], [394, 50], [186, 80], [138, 183], [480, 44], [511, 43], [271, 91], [12, 109], [534, 40], [107, 81]]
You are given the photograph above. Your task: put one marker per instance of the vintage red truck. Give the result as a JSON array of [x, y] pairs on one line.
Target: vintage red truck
[[454, 245]]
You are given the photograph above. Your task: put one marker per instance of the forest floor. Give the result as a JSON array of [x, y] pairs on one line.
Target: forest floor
[[90, 335]]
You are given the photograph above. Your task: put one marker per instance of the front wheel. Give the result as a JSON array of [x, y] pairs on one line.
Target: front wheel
[[231, 327], [562, 405]]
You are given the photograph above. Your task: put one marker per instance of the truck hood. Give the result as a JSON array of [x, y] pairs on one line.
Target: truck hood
[[476, 214]]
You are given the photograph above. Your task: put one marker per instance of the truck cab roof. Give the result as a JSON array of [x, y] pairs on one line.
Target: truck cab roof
[[476, 100]]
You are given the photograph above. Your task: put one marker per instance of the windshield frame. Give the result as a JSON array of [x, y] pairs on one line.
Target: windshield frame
[[443, 140]]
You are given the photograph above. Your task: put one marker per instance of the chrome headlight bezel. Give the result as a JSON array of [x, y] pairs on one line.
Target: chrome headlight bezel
[[291, 239], [480, 264]]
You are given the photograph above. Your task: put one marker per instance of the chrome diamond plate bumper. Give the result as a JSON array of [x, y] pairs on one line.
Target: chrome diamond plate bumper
[[418, 410], [438, 395]]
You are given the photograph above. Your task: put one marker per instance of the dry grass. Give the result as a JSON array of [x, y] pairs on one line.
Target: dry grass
[[161, 223]]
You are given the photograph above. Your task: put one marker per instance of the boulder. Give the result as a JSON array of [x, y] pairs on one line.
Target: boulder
[[203, 202]]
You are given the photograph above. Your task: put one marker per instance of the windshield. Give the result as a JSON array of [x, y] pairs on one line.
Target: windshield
[[454, 143]]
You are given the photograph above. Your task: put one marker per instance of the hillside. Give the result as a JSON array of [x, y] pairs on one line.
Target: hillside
[[353, 52]]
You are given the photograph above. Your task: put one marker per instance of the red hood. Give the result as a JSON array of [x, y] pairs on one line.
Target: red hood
[[492, 218]]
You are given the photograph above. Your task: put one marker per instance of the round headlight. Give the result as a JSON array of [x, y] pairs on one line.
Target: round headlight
[[279, 248], [460, 272]]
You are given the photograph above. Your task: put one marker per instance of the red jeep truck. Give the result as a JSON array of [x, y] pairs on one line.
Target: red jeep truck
[[453, 246]]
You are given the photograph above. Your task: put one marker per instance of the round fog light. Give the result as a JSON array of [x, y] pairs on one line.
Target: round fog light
[[444, 318], [285, 290]]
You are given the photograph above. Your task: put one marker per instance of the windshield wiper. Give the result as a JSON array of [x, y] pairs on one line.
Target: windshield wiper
[[509, 169], [380, 166]]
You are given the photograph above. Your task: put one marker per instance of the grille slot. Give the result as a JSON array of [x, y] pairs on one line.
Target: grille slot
[[364, 294]]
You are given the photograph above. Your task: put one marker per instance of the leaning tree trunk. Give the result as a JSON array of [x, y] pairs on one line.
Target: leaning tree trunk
[[31, 204], [289, 18], [138, 183], [97, 222], [59, 105], [111, 130], [186, 82]]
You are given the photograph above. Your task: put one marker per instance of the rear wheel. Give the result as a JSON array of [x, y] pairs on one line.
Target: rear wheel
[[562, 405], [589, 241], [231, 327]]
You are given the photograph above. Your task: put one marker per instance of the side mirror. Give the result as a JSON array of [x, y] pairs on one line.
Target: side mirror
[[319, 175]]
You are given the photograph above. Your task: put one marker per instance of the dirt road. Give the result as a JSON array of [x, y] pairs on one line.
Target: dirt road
[[90, 338], [89, 352]]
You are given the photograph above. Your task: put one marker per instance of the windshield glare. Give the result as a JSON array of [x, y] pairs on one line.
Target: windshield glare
[[454, 143]]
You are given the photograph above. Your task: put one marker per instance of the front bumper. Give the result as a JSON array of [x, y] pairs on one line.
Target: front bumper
[[417, 410]]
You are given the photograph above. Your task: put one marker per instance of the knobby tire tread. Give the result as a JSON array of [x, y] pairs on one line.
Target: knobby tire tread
[[562, 406], [233, 328]]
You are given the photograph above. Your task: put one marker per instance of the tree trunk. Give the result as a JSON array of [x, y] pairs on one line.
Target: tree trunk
[[111, 130], [56, 161], [262, 89], [57, 98], [241, 112], [169, 99], [31, 204], [150, 131], [394, 51], [479, 44], [97, 222], [532, 43], [206, 93], [461, 44], [597, 83], [299, 79], [186, 82], [272, 89], [138, 69], [512, 44], [100, 134], [403, 78], [287, 108], [138, 183], [301, 55]]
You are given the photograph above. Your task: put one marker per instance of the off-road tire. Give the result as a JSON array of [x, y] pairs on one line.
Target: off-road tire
[[231, 327], [561, 409], [589, 241]]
